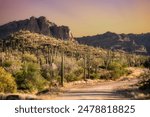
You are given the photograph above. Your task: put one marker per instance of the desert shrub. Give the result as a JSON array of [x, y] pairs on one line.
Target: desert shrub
[[7, 82], [144, 83], [117, 70], [70, 77], [12, 66], [95, 63], [29, 57], [7, 63], [147, 63], [106, 76], [11, 62], [115, 65], [49, 72], [70, 64], [78, 72], [29, 78], [94, 76], [46, 72], [75, 75], [42, 59], [118, 73]]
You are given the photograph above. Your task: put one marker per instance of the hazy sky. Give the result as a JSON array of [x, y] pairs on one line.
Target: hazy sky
[[84, 17]]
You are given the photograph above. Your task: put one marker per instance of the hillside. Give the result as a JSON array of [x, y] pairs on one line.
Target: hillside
[[32, 57], [35, 41], [132, 43]]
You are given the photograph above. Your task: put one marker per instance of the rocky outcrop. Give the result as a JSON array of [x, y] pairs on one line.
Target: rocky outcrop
[[37, 25], [60, 31], [135, 43]]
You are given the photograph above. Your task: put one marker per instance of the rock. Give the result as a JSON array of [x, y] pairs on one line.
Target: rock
[[13, 97], [38, 25], [61, 32], [32, 25], [44, 26], [17, 97]]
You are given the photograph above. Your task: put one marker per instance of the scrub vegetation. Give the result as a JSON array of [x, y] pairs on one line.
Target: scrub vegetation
[[30, 62]]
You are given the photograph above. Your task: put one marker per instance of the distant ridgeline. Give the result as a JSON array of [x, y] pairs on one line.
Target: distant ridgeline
[[36, 25], [133, 43]]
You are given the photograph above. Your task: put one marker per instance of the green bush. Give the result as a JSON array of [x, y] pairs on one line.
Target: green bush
[[147, 63], [29, 57], [117, 70], [118, 73], [94, 76], [115, 65], [144, 84], [7, 82], [78, 72], [29, 78], [71, 77], [49, 72], [7, 63]]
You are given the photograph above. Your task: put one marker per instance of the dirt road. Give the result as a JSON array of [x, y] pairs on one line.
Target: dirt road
[[102, 91]]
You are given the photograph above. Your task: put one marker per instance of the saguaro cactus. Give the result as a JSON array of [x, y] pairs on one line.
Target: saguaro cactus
[[84, 67], [62, 69], [88, 64]]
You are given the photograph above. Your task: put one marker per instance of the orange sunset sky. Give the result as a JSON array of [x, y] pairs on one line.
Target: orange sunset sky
[[84, 17]]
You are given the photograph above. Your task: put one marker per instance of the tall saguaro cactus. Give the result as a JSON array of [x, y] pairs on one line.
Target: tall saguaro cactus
[[84, 67], [88, 63], [62, 69]]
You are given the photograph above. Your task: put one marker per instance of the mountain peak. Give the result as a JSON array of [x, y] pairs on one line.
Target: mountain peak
[[108, 33], [32, 17], [39, 25]]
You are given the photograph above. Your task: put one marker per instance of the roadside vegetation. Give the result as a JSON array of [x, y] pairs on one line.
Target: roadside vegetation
[[144, 84]]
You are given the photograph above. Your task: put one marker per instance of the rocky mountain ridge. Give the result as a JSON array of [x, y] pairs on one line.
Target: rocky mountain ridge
[[36, 25], [133, 43]]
